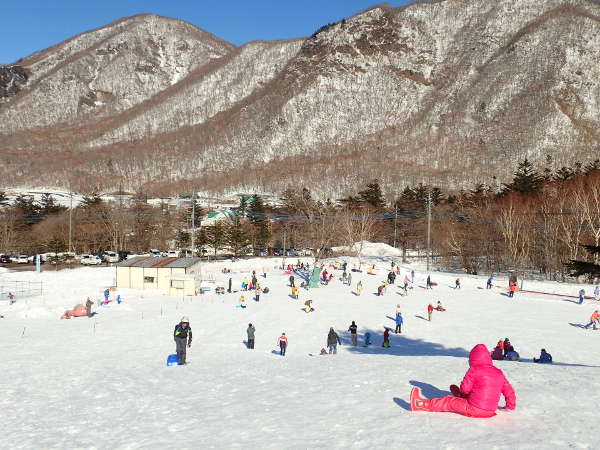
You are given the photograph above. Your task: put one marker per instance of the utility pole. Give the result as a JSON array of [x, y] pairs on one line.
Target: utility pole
[[70, 219], [283, 262], [193, 223], [395, 221], [428, 228]]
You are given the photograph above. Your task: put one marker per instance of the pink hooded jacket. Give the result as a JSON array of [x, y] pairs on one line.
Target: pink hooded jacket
[[483, 383]]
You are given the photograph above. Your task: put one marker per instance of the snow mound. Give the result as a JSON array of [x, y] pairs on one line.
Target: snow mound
[[370, 249]]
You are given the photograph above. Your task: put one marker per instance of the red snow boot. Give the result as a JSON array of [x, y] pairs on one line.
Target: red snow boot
[[418, 403]]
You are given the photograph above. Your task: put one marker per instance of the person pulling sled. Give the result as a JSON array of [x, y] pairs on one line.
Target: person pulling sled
[[183, 339]]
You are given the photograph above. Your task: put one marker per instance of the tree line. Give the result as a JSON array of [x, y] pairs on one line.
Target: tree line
[[542, 221]]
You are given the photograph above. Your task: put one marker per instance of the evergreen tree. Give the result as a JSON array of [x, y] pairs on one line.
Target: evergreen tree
[[526, 179], [258, 219], [90, 201], [49, 206], [28, 208], [182, 238], [3, 199], [236, 237], [590, 168], [586, 268], [564, 174], [373, 195], [216, 236], [194, 209]]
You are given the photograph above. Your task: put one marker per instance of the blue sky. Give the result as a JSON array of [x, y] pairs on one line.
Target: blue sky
[[37, 24]]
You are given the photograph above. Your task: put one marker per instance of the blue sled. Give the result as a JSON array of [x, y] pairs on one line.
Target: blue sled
[[172, 360]]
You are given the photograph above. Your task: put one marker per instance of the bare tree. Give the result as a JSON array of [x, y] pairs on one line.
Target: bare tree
[[358, 226]]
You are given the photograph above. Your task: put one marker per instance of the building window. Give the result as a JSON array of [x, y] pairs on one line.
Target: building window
[[148, 279], [177, 284]]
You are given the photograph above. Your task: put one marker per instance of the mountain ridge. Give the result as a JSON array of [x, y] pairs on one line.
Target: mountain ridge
[[408, 94]]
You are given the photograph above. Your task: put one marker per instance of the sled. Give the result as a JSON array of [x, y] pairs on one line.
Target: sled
[[172, 360]]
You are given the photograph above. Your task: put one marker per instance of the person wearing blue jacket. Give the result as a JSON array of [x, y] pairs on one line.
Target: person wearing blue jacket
[[399, 322], [545, 358], [490, 280]]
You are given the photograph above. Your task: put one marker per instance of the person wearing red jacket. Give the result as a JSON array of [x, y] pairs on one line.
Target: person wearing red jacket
[[479, 392], [283, 343], [429, 311]]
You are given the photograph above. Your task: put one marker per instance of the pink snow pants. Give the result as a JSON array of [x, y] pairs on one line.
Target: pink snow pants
[[458, 405]]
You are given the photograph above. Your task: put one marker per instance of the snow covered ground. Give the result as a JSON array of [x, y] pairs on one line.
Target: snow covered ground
[[103, 382]]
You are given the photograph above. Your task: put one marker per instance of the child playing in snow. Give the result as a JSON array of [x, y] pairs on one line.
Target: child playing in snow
[[457, 284], [367, 339], [497, 353], [386, 338], [241, 302], [594, 319], [545, 358], [308, 306], [359, 287], [479, 391], [439, 307]]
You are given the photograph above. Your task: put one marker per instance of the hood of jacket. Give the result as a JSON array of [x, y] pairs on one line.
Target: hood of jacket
[[480, 356]]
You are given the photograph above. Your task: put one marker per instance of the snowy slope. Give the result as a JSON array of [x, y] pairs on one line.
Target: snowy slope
[[102, 382]]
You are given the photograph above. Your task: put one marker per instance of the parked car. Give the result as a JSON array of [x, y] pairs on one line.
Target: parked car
[[173, 253], [5, 259], [111, 257], [90, 260], [155, 252], [22, 259]]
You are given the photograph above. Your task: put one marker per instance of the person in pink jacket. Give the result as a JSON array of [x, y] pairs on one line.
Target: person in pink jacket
[[479, 392]]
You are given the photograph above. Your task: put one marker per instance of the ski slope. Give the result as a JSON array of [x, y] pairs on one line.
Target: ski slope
[[102, 383]]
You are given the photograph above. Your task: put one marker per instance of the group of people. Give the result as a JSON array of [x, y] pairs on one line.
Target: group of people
[[505, 350]]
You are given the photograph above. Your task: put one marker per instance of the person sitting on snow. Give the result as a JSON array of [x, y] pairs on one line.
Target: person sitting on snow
[[241, 302], [308, 306], [439, 307], [511, 354], [545, 358], [594, 319], [479, 391], [497, 353]]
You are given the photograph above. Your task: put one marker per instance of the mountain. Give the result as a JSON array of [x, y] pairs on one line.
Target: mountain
[[449, 92]]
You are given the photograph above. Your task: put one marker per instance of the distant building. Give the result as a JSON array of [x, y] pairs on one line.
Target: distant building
[[173, 276], [215, 216]]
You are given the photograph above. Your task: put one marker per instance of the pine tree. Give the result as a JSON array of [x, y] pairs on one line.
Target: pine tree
[[216, 236], [592, 167], [49, 206], [586, 268], [90, 201], [564, 174], [256, 211], [526, 179], [3, 199], [29, 209], [373, 195], [236, 237]]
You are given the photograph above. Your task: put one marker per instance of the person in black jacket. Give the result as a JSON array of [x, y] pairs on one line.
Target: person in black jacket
[[292, 280], [332, 340], [352, 329], [183, 338]]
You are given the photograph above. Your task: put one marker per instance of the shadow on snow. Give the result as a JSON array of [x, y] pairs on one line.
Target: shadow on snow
[[405, 346]]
